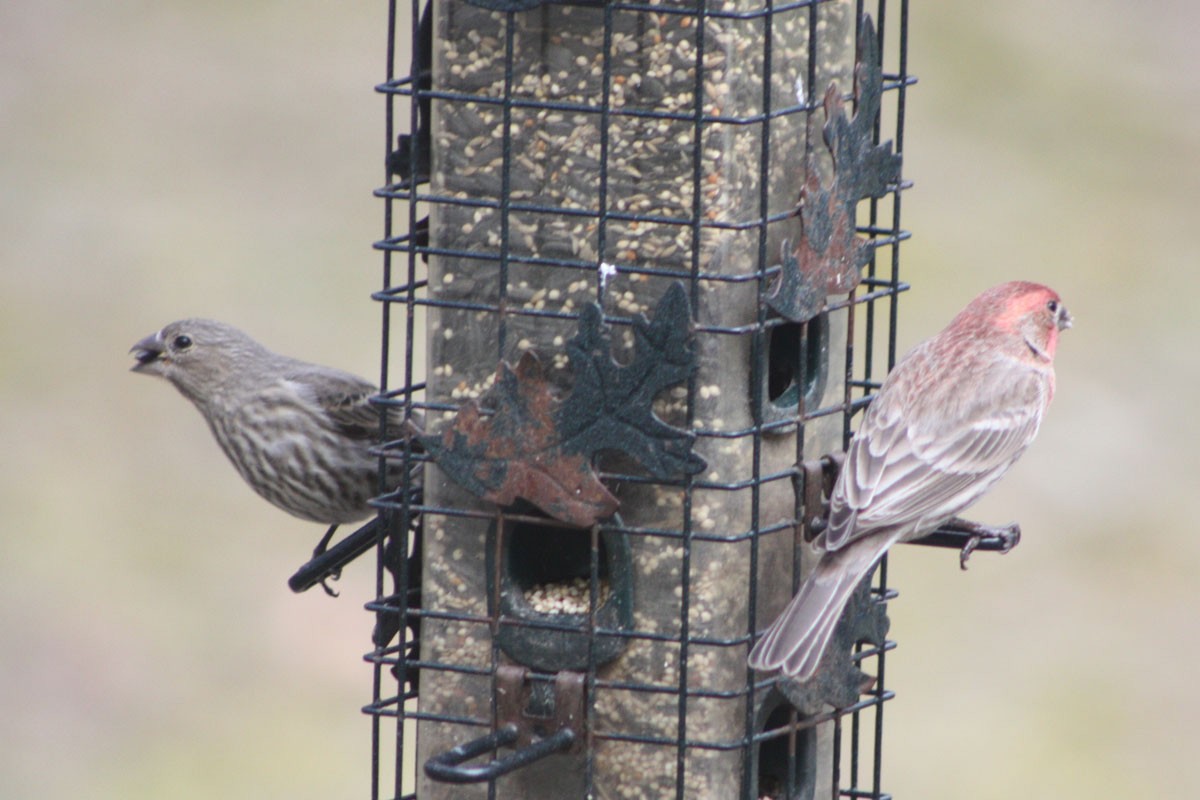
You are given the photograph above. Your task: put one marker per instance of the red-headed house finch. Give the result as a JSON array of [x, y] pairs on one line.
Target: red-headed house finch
[[300, 434], [954, 414]]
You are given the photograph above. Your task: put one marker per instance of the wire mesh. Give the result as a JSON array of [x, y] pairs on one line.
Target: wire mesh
[[564, 155]]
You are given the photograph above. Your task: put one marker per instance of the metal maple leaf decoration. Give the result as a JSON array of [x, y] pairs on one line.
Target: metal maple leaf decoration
[[830, 254], [540, 448]]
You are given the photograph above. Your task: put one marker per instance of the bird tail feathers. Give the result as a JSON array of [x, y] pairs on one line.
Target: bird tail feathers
[[796, 641]]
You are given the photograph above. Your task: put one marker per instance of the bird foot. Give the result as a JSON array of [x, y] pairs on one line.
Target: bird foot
[[319, 550], [1009, 537], [333, 576]]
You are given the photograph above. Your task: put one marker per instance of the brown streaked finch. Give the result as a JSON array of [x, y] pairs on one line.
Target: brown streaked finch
[[949, 420], [299, 434]]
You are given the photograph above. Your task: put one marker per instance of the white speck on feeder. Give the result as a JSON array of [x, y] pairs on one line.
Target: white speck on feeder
[[606, 271]]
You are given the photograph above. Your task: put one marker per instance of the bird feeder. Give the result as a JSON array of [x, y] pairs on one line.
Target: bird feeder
[[651, 257]]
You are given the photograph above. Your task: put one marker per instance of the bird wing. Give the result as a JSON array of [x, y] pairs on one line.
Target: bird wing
[[345, 399], [912, 474]]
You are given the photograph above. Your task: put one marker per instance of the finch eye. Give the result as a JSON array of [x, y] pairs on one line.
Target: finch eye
[[1053, 306], [181, 342]]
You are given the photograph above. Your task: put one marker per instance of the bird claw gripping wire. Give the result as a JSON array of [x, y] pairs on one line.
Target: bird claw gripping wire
[[320, 550], [1000, 538], [327, 562]]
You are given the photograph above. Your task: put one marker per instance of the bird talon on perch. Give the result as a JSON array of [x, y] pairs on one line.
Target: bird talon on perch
[[965, 555], [1008, 536]]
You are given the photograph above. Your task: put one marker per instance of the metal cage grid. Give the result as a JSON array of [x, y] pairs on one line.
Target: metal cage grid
[[867, 316]]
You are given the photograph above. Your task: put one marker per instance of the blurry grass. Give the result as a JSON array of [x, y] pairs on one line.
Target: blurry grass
[[164, 161], [176, 159]]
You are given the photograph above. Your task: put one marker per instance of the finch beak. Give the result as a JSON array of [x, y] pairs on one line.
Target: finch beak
[[148, 351], [1064, 319]]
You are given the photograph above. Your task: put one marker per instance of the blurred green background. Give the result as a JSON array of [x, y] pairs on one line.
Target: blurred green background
[[163, 160]]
